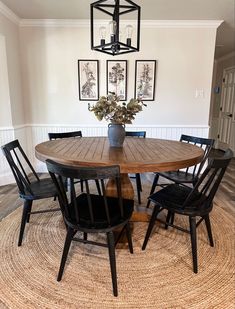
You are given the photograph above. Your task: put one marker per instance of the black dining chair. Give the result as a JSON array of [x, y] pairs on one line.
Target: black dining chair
[[188, 176], [29, 185], [191, 202], [58, 135], [141, 134], [91, 213], [75, 134]]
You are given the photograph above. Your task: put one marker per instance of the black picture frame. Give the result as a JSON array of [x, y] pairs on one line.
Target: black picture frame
[[88, 79], [145, 79], [116, 78]]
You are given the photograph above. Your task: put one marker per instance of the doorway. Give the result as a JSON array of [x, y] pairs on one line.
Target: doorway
[[226, 134]]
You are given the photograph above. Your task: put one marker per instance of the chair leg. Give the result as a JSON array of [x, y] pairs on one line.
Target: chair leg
[[172, 218], [98, 186], [193, 233], [26, 209], [84, 236], [29, 210], [139, 181], [155, 181], [168, 217], [129, 238], [112, 260], [138, 186], [208, 227], [151, 225], [69, 236]]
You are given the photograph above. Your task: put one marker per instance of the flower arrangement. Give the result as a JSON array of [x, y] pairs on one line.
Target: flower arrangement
[[110, 109]]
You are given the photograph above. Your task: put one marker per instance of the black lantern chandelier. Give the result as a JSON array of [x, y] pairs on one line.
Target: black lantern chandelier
[[115, 37]]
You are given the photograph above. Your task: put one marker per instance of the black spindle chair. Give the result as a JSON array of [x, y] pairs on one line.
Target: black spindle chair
[[137, 175], [30, 188], [191, 202], [188, 176], [90, 213], [59, 135]]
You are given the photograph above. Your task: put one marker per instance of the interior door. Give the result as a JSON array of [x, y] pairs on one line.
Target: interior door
[[227, 110]]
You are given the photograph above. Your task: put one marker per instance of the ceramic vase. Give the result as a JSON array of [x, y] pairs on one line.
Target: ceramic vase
[[116, 134]]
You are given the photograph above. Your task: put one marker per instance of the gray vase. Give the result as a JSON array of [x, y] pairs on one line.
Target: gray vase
[[116, 134]]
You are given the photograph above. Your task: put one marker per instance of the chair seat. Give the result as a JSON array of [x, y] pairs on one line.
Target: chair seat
[[191, 202], [179, 176], [172, 198], [41, 189], [99, 212]]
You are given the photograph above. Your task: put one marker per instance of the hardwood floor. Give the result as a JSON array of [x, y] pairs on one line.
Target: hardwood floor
[[9, 199], [225, 197]]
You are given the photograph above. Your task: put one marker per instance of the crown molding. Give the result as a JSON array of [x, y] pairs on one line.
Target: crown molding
[[144, 23], [9, 14], [86, 22], [77, 23], [181, 23]]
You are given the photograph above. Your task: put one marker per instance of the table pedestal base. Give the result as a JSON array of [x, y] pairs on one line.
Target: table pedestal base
[[141, 214]]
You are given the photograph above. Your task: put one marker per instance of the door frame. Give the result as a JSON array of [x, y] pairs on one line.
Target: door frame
[[221, 144]]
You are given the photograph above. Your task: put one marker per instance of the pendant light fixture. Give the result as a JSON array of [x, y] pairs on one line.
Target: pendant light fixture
[[117, 29]]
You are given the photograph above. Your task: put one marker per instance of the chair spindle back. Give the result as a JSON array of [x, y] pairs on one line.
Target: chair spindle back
[[204, 143], [68, 202], [136, 133], [208, 183], [54, 136], [20, 166]]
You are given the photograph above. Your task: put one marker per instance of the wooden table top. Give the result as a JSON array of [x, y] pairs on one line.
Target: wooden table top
[[138, 155]]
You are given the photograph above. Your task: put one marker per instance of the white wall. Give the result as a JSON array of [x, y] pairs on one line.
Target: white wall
[[11, 100], [10, 31], [5, 104], [48, 57], [49, 64]]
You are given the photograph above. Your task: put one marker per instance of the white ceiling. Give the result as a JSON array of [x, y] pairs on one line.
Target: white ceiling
[[150, 9]]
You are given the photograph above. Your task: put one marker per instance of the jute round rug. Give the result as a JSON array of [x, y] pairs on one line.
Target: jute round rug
[[160, 277]]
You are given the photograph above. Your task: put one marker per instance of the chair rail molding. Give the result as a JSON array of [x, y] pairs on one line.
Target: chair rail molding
[[30, 135]]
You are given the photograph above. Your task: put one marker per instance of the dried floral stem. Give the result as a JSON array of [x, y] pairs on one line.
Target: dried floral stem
[[110, 109]]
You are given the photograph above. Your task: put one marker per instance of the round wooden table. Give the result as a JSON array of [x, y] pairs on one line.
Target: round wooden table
[[138, 155]]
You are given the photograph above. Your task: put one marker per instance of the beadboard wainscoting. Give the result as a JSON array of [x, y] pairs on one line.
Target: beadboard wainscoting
[[31, 135], [7, 134]]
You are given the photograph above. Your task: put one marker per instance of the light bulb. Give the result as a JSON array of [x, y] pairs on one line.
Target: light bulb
[[112, 27], [129, 31], [102, 31]]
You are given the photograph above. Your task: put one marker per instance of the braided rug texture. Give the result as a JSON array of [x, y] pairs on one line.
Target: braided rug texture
[[159, 277]]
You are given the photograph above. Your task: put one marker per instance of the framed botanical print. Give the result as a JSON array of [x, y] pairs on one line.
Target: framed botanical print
[[145, 75], [88, 80], [117, 78]]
